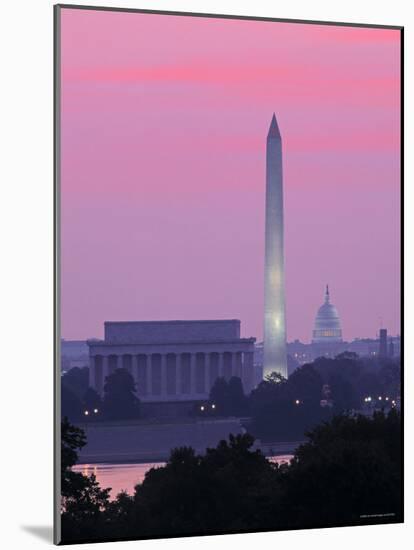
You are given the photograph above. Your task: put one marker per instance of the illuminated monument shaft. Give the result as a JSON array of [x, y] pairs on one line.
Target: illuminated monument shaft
[[274, 359]]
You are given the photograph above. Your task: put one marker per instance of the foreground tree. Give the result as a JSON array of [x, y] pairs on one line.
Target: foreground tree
[[82, 500], [226, 489], [347, 472], [120, 401]]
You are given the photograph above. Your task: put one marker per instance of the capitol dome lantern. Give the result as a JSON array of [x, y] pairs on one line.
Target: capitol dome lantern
[[327, 328]]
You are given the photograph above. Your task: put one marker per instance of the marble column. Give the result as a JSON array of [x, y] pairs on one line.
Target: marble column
[[149, 374], [228, 365], [92, 371], [237, 364], [221, 365], [105, 369], [156, 375], [185, 373], [193, 375], [207, 382], [178, 374], [214, 368], [134, 371], [164, 374]]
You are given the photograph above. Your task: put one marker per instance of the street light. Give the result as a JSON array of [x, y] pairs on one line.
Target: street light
[[86, 413], [202, 408], [213, 406], [95, 411]]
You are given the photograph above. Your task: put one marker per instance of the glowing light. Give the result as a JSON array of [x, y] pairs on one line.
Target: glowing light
[[276, 321], [213, 406], [202, 408], [95, 411], [297, 402], [86, 413]]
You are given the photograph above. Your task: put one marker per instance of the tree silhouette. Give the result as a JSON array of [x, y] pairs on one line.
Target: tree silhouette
[[228, 397], [284, 409], [71, 405], [348, 470], [76, 380], [82, 500], [120, 401], [92, 402], [237, 400], [218, 395]]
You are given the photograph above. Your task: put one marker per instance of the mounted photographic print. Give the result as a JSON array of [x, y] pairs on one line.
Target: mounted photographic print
[[228, 274]]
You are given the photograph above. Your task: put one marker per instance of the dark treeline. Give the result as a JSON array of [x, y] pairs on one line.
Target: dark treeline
[[348, 471], [284, 409], [279, 409], [81, 402]]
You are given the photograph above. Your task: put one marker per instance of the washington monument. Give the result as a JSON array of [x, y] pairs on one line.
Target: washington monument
[[274, 322]]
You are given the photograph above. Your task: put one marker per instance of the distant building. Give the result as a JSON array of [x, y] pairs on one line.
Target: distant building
[[299, 353], [391, 349], [383, 342], [73, 353], [173, 361], [327, 327]]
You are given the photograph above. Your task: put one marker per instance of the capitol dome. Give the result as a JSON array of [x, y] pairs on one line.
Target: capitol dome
[[327, 324]]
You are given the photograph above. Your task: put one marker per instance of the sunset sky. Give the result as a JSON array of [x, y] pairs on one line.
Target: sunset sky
[[164, 123]]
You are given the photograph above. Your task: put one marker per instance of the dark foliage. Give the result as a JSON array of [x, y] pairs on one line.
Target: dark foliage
[[228, 397], [348, 471], [297, 400], [92, 402], [83, 502], [74, 384], [284, 409], [363, 377], [120, 401], [77, 381], [71, 405]]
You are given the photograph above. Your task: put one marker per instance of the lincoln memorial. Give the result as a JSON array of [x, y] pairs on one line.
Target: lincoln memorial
[[173, 361]]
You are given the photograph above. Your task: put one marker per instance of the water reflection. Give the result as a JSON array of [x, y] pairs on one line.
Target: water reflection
[[124, 477]]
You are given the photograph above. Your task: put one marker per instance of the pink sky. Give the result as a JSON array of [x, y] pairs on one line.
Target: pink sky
[[164, 123]]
